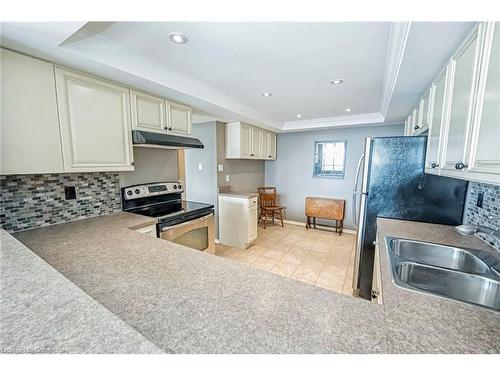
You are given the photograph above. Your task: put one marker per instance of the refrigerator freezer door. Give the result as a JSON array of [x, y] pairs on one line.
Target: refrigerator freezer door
[[363, 167]]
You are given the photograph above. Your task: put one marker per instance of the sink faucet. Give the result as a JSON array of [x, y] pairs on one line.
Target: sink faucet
[[469, 229]]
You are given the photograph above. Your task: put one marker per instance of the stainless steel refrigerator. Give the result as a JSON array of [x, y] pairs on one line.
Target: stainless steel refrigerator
[[390, 182]]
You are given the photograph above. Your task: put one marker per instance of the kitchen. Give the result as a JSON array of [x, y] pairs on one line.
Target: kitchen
[[133, 189]]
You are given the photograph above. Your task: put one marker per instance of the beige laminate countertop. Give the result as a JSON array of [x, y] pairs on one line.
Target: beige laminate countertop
[[421, 323], [186, 301]]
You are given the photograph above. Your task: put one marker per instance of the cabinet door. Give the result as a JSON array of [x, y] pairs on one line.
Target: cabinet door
[[414, 121], [272, 146], [95, 123], [179, 119], [246, 141], [148, 112], [485, 151], [29, 135], [463, 73], [255, 144], [252, 224], [424, 111], [264, 144], [409, 124], [437, 121]]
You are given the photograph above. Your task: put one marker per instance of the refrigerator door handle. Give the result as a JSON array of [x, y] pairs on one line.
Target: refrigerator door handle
[[356, 191]]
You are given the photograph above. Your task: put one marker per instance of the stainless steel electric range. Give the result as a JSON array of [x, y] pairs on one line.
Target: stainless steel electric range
[[180, 221]]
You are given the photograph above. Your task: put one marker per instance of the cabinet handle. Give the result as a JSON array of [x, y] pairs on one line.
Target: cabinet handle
[[252, 155], [460, 166], [416, 127], [132, 164], [434, 165]]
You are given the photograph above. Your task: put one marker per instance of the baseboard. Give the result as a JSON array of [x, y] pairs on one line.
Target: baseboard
[[303, 224]]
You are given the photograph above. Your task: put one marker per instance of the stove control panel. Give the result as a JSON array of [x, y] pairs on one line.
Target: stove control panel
[[150, 190]]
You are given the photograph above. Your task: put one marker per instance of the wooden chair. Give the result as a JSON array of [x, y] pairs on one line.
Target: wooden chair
[[268, 206]]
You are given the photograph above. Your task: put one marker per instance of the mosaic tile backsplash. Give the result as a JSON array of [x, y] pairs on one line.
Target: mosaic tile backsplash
[[31, 201], [491, 207]]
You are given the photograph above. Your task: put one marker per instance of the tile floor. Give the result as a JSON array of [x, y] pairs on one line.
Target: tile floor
[[316, 257]]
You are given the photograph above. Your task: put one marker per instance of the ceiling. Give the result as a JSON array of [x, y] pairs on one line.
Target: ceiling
[[224, 68]]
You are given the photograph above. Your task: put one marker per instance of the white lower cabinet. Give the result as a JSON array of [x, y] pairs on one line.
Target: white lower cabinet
[[237, 220], [30, 139], [376, 294], [484, 160], [95, 123], [245, 141]]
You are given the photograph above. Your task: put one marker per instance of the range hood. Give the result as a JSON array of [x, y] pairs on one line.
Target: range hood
[[148, 139]]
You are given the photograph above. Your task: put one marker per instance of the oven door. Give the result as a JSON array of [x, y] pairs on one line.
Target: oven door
[[197, 234]]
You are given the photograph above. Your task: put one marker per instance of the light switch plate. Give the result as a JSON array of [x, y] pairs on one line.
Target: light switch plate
[[200, 166]]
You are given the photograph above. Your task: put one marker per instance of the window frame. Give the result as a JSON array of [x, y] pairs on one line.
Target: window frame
[[343, 165]]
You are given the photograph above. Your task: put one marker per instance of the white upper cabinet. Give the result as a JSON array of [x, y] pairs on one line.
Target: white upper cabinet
[[484, 161], [414, 121], [424, 112], [272, 147], [148, 112], [255, 145], [95, 123], [179, 119], [264, 139], [436, 122], [463, 77], [29, 135], [244, 141]]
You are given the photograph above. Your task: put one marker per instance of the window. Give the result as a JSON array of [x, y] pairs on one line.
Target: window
[[329, 159]]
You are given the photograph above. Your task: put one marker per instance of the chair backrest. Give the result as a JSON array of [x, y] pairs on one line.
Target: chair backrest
[[267, 196]]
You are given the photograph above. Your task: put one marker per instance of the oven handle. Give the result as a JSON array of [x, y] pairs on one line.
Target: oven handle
[[190, 222]]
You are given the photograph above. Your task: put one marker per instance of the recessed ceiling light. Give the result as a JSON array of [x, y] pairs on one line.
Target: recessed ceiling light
[[336, 81], [299, 116], [177, 38], [267, 94], [348, 110]]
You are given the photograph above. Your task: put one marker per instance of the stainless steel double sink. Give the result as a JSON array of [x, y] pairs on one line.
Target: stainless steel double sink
[[465, 275]]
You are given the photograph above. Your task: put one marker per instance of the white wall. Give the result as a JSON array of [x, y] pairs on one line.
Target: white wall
[[292, 172]]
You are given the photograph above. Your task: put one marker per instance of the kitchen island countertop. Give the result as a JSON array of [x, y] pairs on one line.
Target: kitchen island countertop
[[185, 301], [44, 312]]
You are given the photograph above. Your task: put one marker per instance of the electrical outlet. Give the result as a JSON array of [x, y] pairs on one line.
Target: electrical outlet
[[227, 178], [69, 192], [200, 166], [480, 198], [220, 167]]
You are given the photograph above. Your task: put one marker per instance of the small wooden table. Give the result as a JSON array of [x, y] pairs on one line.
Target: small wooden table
[[325, 208]]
